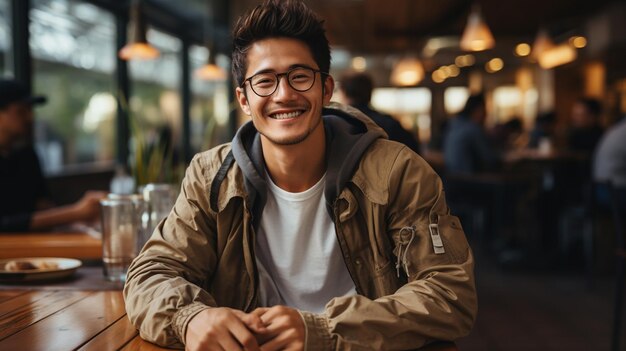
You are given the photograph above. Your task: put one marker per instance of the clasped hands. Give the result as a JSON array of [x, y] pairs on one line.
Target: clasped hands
[[264, 329]]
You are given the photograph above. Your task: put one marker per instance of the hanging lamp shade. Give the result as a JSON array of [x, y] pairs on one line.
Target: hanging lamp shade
[[211, 71], [542, 43], [557, 56], [138, 47], [477, 36], [407, 72]]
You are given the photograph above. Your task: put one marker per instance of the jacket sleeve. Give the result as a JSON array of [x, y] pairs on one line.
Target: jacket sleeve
[[163, 287], [438, 301]]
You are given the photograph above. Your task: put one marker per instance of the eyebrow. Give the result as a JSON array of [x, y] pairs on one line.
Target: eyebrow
[[269, 70]]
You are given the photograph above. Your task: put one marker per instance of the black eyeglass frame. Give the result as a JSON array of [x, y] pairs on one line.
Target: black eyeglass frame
[[279, 76]]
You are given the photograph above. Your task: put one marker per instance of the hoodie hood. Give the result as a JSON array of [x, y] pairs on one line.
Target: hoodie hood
[[348, 135]]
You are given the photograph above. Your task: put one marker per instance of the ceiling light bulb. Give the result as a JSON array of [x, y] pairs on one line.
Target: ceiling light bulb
[[477, 36]]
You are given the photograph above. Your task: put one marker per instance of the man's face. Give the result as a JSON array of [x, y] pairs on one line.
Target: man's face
[[16, 121], [287, 117]]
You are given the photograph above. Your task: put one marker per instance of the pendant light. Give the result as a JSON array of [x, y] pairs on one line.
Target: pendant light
[[477, 36], [210, 71], [550, 55], [407, 72], [542, 43], [138, 47]]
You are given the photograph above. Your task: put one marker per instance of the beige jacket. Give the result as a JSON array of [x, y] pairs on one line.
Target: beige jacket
[[408, 257]]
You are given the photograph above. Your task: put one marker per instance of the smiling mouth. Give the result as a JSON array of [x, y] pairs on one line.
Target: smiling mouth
[[287, 115]]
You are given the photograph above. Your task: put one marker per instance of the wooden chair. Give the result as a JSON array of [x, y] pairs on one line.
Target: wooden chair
[[617, 196]]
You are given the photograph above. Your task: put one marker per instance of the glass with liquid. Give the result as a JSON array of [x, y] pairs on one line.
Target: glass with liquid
[[122, 233]]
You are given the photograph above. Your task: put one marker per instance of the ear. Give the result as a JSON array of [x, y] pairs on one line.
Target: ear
[[243, 100], [329, 87]]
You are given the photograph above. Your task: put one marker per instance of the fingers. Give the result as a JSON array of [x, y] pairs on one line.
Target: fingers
[[284, 341], [259, 311], [221, 329], [243, 337], [252, 321], [285, 329]]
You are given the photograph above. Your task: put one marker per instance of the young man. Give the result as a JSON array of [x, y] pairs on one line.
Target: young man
[[322, 234]]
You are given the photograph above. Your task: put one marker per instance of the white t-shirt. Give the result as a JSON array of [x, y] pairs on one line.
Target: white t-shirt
[[610, 156], [298, 256]]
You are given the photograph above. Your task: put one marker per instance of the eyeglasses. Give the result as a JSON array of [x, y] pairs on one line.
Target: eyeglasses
[[265, 84]]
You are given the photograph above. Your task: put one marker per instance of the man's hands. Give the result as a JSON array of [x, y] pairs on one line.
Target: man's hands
[[285, 328], [265, 329], [223, 328]]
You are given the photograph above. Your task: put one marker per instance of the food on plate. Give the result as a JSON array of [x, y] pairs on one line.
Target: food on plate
[[23, 265]]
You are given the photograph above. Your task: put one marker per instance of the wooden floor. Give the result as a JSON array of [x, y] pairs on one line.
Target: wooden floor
[[530, 309]]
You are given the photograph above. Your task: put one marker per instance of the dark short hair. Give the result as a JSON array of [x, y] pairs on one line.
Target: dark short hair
[[357, 87], [593, 106], [473, 102], [279, 19]]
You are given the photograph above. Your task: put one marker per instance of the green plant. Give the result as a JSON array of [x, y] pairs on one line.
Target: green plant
[[153, 160]]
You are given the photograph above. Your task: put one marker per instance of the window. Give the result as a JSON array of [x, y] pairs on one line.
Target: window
[[73, 49], [454, 99], [411, 106], [156, 111], [6, 51], [209, 104]]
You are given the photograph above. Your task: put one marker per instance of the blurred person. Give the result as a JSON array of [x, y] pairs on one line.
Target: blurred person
[[356, 89], [543, 130], [24, 203], [467, 148], [507, 136], [310, 230], [585, 130], [609, 161], [582, 138]]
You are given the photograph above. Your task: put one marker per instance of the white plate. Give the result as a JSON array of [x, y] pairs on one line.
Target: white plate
[[64, 268]]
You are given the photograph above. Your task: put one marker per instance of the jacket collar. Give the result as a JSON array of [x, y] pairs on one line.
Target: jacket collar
[[349, 133]]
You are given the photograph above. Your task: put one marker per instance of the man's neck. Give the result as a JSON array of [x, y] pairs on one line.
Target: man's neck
[[296, 168]]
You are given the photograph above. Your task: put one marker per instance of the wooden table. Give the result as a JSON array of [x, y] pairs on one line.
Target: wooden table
[[52, 244], [66, 320], [76, 320]]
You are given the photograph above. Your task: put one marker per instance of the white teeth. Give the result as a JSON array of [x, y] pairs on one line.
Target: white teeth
[[286, 115]]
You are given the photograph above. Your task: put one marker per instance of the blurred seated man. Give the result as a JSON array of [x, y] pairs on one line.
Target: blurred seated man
[[466, 146], [543, 131], [23, 190], [356, 89], [585, 131], [508, 136], [609, 161]]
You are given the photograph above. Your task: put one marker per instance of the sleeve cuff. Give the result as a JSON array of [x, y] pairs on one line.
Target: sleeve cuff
[[183, 316], [317, 335]]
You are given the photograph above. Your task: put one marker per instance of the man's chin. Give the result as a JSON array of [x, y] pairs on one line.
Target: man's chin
[[288, 141]]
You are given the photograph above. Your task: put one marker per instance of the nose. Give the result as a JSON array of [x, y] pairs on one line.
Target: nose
[[284, 91]]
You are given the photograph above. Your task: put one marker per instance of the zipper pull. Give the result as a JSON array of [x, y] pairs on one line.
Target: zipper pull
[[436, 239]]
